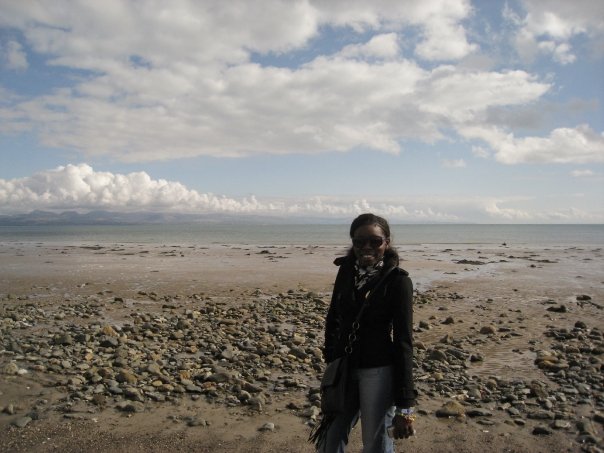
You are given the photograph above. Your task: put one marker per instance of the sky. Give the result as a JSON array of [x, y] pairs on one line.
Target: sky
[[459, 111]]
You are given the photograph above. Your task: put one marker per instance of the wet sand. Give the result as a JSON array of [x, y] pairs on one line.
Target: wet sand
[[508, 337]]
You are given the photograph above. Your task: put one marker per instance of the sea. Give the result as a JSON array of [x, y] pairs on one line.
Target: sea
[[202, 234]]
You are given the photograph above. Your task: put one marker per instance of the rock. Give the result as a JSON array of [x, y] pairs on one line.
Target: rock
[[10, 368], [559, 309], [109, 342], [479, 412], [196, 421], [126, 376], [257, 403], [560, 424], [488, 330], [583, 297], [133, 394], [586, 427], [220, 377], [154, 369], [541, 415], [312, 412], [130, 406], [541, 431], [22, 422], [269, 426], [538, 390], [451, 409], [63, 339], [9, 409], [476, 357], [437, 355], [475, 393], [109, 331]]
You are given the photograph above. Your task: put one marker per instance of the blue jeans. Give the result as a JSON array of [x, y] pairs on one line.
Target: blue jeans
[[376, 412]]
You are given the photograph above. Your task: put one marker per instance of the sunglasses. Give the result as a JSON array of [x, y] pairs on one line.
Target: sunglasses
[[374, 241]]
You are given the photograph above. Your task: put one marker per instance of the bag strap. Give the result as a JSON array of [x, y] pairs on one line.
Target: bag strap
[[352, 337]]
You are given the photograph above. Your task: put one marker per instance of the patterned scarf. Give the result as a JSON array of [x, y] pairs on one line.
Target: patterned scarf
[[362, 276]]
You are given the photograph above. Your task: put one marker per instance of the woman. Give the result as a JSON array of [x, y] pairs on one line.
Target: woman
[[382, 355]]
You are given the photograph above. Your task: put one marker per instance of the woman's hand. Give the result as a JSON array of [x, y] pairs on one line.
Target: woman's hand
[[402, 427]]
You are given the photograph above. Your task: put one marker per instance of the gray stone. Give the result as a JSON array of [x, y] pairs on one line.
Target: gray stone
[[22, 422], [130, 406], [479, 412], [541, 431], [269, 426]]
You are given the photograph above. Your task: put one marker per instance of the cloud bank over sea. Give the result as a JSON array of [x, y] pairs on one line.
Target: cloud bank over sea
[[80, 187]]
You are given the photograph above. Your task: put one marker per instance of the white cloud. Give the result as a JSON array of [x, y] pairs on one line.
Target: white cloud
[[549, 26], [481, 152], [564, 145], [582, 173], [380, 46], [181, 81], [453, 163], [79, 187], [14, 56]]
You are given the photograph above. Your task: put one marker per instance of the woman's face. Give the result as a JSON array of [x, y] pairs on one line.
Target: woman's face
[[369, 244]]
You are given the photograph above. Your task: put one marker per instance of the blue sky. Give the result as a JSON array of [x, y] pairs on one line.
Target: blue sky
[[423, 111]]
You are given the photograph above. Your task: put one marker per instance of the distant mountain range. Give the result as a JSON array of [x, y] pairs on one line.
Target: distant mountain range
[[137, 218]]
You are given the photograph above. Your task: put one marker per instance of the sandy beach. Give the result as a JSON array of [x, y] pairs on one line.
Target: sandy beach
[[139, 348]]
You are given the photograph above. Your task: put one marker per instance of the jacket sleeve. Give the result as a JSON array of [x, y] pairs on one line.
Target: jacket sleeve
[[402, 323], [332, 320]]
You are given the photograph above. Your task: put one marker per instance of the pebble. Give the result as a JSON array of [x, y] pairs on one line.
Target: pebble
[[451, 409], [541, 430], [263, 352], [269, 426], [22, 422]]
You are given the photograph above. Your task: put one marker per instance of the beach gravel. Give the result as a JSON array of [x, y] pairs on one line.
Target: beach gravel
[[178, 357]]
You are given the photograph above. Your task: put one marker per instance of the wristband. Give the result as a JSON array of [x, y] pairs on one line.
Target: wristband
[[403, 411]]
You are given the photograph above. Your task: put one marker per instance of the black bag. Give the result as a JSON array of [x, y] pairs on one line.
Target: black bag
[[334, 386]]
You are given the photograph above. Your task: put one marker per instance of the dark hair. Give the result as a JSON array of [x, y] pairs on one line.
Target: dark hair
[[370, 219]]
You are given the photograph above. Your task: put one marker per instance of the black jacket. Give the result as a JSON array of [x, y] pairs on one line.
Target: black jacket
[[385, 335]]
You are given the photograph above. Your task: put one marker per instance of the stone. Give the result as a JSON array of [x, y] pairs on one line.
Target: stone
[[541, 415], [488, 330], [22, 422], [451, 409], [219, 377], [63, 339], [267, 427], [437, 355], [10, 368], [9, 409], [478, 412], [541, 431], [560, 424], [196, 421], [126, 376], [130, 406], [109, 331]]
